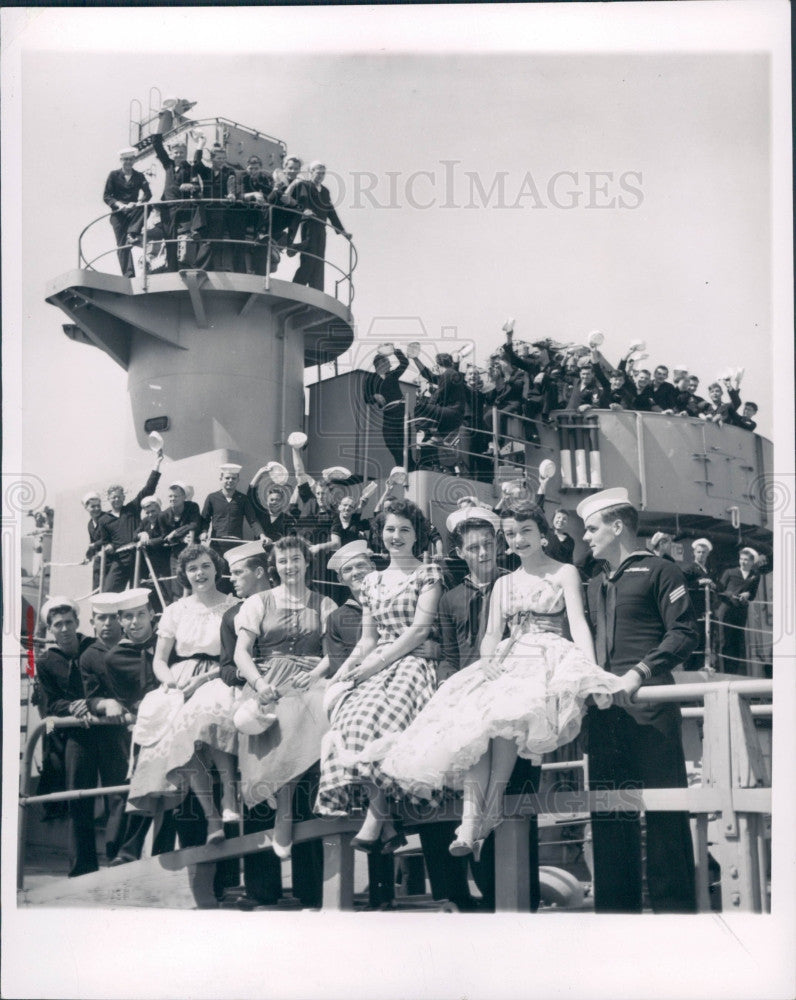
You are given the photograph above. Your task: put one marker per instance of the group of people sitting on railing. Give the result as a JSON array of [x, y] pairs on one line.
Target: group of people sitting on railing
[[406, 692], [218, 218], [528, 382]]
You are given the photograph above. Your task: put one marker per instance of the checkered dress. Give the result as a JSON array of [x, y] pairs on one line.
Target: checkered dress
[[384, 703]]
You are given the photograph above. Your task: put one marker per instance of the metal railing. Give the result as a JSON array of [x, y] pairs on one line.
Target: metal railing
[[249, 246], [735, 792]]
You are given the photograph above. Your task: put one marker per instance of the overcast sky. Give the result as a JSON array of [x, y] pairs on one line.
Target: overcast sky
[[627, 191]]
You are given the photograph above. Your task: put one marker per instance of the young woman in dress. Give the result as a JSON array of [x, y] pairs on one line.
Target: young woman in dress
[[201, 733], [525, 695], [287, 624], [392, 678]]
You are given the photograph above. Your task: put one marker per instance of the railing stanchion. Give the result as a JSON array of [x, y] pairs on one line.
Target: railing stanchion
[[708, 649], [102, 569], [406, 439], [137, 567], [495, 443], [268, 248], [144, 267]]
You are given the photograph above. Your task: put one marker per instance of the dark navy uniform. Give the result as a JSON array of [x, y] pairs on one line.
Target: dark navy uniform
[[121, 190], [642, 619], [394, 406], [225, 516], [121, 529], [60, 681], [96, 537]]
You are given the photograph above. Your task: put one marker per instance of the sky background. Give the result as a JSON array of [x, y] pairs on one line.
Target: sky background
[[686, 266]]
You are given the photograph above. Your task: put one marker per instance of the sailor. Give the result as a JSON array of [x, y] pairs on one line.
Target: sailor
[[224, 510], [463, 612], [737, 589], [123, 190], [97, 516], [661, 545], [383, 390], [58, 672], [702, 590], [315, 202], [120, 529], [151, 539], [560, 545], [274, 518], [117, 684], [262, 872], [111, 744], [177, 186], [644, 625], [180, 523]]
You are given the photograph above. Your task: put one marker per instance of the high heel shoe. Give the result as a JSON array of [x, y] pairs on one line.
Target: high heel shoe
[[368, 846], [460, 848], [391, 844], [282, 851], [215, 833]]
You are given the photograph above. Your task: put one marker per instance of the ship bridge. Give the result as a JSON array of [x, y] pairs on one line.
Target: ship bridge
[[215, 354]]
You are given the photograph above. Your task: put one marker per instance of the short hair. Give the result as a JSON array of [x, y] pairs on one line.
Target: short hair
[[526, 510], [470, 524], [113, 489], [254, 157], [644, 371], [754, 406], [61, 609], [291, 159], [379, 358], [257, 562], [191, 554], [623, 512], [286, 544], [714, 385], [445, 360], [662, 368], [412, 513], [561, 510]]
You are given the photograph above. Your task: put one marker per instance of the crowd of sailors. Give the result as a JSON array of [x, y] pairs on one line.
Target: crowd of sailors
[[528, 382], [215, 217]]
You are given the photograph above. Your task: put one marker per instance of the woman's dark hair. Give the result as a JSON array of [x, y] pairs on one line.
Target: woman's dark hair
[[524, 510], [287, 544], [412, 513], [191, 554]]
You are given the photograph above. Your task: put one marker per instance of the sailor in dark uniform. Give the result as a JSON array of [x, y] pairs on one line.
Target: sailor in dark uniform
[[111, 744], [315, 202], [270, 501], [58, 674], [123, 189], [702, 590], [644, 625], [177, 186], [121, 527], [96, 536], [180, 524], [383, 390], [737, 589], [224, 510]]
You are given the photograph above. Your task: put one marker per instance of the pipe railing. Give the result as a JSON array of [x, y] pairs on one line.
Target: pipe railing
[[735, 786], [250, 246]]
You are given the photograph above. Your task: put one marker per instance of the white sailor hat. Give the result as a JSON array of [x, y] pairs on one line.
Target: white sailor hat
[[92, 495], [658, 537], [474, 514], [137, 597], [602, 501], [230, 467], [469, 500], [297, 440], [514, 487], [103, 604], [346, 553], [151, 501], [127, 151], [246, 551], [398, 475], [752, 552], [702, 541], [180, 485], [680, 368], [57, 601], [336, 474], [584, 361], [277, 473]]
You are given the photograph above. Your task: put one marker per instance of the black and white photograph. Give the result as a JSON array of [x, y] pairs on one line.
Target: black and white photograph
[[398, 501]]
